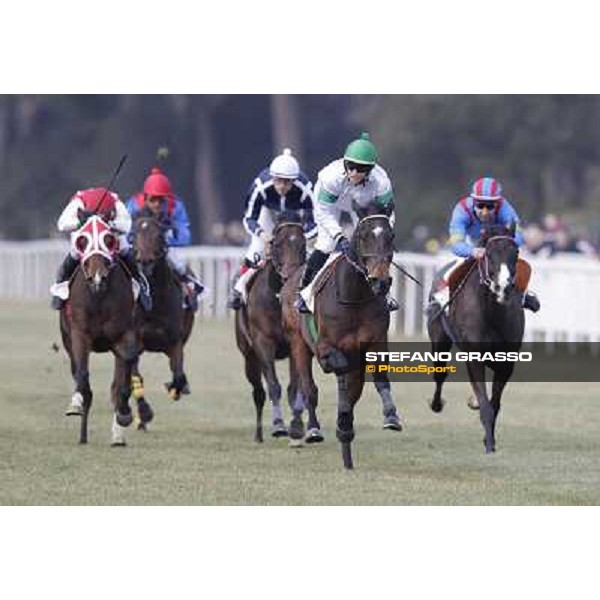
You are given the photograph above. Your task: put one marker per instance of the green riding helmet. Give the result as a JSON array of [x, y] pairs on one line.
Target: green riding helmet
[[362, 151]]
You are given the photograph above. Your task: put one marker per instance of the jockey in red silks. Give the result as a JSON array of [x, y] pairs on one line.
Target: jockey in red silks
[[107, 205], [158, 199]]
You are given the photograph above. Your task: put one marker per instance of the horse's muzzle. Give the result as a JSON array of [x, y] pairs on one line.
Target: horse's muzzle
[[380, 286]]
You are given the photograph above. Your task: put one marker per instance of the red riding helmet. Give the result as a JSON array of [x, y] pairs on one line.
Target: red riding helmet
[[99, 201], [157, 184]]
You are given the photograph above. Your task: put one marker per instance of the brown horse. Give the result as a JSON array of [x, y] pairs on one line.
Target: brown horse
[[167, 327], [258, 325], [351, 314], [98, 317]]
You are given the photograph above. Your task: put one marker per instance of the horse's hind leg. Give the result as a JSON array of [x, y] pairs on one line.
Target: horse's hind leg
[[144, 410], [296, 402], [349, 390], [440, 342], [253, 374], [476, 371], [392, 420]]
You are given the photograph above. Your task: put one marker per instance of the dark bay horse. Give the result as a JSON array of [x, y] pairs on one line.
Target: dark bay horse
[[167, 327], [98, 317], [259, 331], [351, 314], [486, 315]]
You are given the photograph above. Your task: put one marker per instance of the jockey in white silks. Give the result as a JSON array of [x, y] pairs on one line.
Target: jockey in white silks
[[107, 205], [347, 184]]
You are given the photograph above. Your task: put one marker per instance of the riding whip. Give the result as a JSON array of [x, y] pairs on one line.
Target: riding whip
[[402, 270], [110, 183]]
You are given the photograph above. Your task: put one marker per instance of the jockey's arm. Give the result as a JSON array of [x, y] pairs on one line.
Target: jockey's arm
[[457, 241], [327, 212], [308, 217], [254, 203], [122, 220], [181, 235], [69, 218]]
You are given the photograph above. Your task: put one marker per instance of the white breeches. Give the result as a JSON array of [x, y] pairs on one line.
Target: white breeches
[[256, 249]]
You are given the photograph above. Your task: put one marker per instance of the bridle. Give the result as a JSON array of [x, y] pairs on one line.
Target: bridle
[[362, 255], [274, 258], [483, 264]]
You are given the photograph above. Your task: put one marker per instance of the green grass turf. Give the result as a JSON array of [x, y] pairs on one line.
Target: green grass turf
[[201, 451]]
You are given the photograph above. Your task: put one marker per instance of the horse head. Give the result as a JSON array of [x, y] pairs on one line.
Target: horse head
[[498, 266], [288, 246], [149, 242], [96, 246], [373, 246]]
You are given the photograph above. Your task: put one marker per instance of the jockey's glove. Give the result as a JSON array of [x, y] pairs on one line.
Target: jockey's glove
[[343, 246]]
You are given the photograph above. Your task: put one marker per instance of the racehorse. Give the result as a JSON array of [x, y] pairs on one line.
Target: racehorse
[[259, 331], [351, 314], [167, 327], [485, 314], [98, 317]]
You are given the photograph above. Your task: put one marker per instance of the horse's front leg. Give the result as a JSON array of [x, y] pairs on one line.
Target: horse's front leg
[[265, 349], [502, 373], [440, 342], [144, 410], [476, 371], [81, 401], [349, 390], [179, 383]]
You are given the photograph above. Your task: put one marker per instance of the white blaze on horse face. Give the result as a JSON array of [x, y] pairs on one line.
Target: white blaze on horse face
[[97, 280], [502, 282], [377, 231]]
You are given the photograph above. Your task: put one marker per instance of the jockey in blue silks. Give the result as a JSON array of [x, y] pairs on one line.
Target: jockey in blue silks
[[484, 206], [157, 198]]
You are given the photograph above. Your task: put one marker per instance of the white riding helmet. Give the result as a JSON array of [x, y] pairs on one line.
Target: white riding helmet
[[285, 166]]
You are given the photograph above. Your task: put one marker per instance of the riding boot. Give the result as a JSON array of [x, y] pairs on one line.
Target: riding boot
[[235, 300], [392, 304], [315, 263], [531, 302], [195, 287], [145, 294], [65, 271]]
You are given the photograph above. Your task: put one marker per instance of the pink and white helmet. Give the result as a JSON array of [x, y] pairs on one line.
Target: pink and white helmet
[[487, 189]]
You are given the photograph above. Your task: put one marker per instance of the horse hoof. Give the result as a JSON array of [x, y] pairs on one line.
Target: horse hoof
[[76, 407], [473, 403], [279, 430], [186, 389], [296, 443], [393, 423], [314, 436], [173, 394], [437, 405], [124, 420], [145, 412], [118, 444], [141, 426]]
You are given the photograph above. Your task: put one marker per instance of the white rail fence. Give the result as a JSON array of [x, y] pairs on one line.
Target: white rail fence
[[568, 287]]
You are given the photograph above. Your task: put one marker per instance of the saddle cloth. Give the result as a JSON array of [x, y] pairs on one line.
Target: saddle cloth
[[312, 289]]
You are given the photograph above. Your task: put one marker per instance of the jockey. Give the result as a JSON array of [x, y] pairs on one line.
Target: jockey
[[484, 206], [106, 204], [353, 182], [157, 198], [281, 188]]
